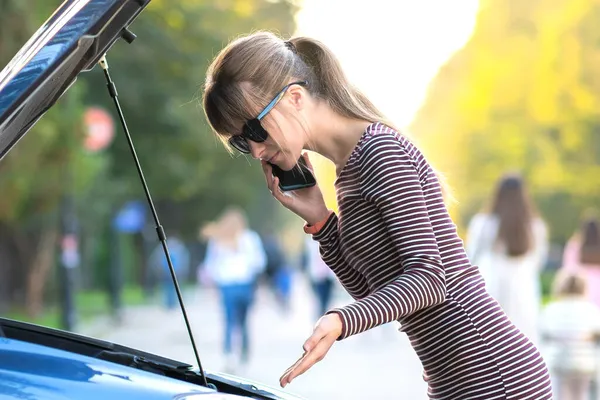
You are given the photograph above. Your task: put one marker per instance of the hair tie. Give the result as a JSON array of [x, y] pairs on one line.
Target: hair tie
[[290, 46]]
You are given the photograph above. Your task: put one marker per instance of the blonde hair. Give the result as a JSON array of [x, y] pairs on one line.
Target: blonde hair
[[569, 284], [250, 70], [228, 229]]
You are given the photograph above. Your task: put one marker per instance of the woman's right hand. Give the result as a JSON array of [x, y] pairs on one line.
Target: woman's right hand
[[307, 203]]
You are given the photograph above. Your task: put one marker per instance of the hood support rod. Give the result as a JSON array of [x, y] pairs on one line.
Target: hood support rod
[[112, 90]]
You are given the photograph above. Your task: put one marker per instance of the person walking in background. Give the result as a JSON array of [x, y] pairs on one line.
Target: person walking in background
[[180, 258], [392, 245], [278, 271], [570, 328], [234, 260], [582, 255], [321, 277], [509, 244]]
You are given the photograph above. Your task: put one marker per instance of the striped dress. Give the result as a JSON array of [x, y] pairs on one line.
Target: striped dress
[[396, 251]]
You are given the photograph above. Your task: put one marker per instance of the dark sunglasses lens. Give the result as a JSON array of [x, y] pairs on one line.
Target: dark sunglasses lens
[[240, 144], [254, 131]]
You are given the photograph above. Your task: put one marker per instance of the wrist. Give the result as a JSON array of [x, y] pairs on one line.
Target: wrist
[[338, 322], [321, 216], [314, 228]]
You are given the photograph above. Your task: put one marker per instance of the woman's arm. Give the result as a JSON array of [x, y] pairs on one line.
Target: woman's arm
[[210, 262], [571, 255], [329, 246], [391, 181]]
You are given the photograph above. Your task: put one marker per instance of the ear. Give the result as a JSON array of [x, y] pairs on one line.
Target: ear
[[297, 96]]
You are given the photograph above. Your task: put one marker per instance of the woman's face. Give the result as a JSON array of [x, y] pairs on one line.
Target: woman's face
[[287, 135]]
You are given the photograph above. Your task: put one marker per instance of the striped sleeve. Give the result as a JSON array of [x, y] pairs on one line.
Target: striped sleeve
[[390, 180], [329, 246]]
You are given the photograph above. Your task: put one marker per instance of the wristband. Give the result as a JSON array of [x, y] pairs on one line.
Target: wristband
[[314, 229]]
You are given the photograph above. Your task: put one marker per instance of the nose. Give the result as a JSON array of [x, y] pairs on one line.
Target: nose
[[257, 149]]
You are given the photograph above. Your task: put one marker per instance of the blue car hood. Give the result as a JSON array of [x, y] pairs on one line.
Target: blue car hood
[[30, 371], [72, 40]]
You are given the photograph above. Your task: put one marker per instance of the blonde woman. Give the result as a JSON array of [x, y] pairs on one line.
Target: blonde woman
[[233, 261], [392, 245]]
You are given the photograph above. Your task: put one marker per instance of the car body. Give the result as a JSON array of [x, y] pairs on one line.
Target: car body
[[42, 363]]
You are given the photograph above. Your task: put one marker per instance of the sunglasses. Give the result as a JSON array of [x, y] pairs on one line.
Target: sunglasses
[[253, 129]]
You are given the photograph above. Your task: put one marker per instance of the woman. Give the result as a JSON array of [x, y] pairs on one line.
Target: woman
[[509, 245], [234, 259], [582, 255], [393, 245]]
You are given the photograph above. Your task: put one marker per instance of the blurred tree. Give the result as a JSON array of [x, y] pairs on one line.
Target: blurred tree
[[32, 175], [159, 78], [523, 94]]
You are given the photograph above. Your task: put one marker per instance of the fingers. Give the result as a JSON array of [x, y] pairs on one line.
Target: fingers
[[313, 340], [287, 371], [306, 362], [273, 183], [268, 171], [282, 197], [315, 348]]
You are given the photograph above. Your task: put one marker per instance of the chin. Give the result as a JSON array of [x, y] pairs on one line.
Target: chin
[[287, 164]]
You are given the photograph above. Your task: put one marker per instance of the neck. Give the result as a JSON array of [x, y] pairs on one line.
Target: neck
[[334, 136]]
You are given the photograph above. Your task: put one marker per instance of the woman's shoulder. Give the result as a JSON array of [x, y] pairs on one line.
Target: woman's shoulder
[[380, 140]]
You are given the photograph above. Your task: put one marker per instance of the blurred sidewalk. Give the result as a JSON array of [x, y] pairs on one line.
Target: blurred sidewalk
[[378, 364]]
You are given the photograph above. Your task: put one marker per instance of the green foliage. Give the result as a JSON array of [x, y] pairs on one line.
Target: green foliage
[[159, 79], [88, 304], [522, 94]]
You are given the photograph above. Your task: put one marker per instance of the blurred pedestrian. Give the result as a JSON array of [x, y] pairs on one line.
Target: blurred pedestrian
[[180, 259], [278, 270], [570, 327], [509, 244], [394, 247], [234, 260], [321, 277], [582, 255]]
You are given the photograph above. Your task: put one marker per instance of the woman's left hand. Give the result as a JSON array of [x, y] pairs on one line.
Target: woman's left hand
[[327, 330]]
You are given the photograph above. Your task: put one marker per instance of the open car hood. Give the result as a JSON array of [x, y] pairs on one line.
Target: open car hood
[[72, 40]]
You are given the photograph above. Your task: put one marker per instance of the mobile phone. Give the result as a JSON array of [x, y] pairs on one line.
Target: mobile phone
[[299, 177]]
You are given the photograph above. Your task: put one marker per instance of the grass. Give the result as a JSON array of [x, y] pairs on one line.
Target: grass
[[94, 303], [88, 304]]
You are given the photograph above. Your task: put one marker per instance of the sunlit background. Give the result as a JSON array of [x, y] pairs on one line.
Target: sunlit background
[[391, 50], [483, 87]]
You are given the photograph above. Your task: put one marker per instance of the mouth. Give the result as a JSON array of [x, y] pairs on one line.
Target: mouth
[[270, 160]]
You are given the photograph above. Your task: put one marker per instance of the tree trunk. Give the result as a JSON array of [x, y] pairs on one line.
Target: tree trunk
[[6, 266], [13, 262], [40, 266]]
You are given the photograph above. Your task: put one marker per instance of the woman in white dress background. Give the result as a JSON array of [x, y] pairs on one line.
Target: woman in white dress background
[[509, 244]]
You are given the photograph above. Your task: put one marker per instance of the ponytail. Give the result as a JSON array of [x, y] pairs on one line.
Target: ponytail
[[267, 64], [330, 83]]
